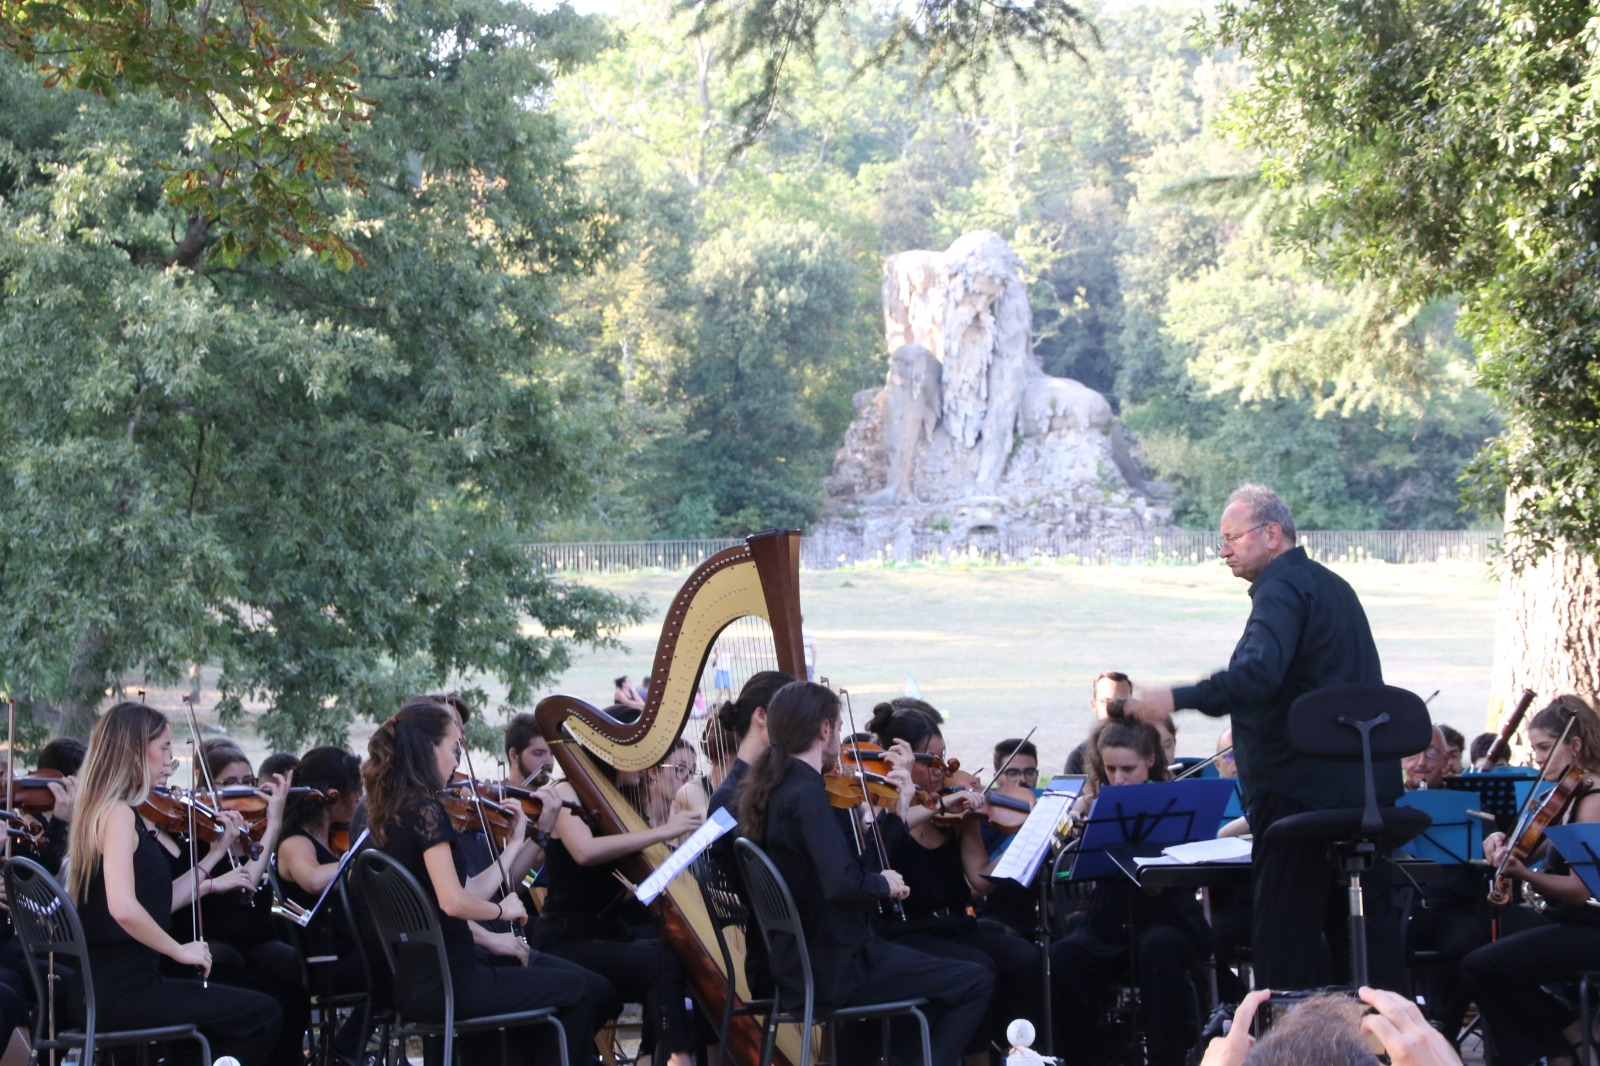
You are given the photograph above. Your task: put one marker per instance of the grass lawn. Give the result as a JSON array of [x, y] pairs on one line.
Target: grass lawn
[[1002, 651]]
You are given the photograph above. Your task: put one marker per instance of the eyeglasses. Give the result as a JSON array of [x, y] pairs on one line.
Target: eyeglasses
[[1225, 758], [1229, 538], [1011, 773]]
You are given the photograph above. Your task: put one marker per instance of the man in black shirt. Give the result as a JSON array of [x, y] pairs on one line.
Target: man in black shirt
[[783, 806], [1306, 631]]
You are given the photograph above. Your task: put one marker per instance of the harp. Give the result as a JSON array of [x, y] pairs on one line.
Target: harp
[[760, 580]]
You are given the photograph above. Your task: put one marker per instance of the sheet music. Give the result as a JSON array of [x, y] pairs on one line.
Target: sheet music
[[1028, 847], [685, 853], [1223, 849]]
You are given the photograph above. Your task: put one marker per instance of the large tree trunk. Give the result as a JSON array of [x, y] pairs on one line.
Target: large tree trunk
[[1547, 633]]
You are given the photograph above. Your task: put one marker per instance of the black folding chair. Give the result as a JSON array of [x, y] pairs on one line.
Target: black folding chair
[[779, 921], [404, 918], [727, 910], [325, 1002], [1356, 723], [52, 936]]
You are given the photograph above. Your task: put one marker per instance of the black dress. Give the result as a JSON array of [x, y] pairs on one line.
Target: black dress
[[480, 989], [590, 919], [131, 992]]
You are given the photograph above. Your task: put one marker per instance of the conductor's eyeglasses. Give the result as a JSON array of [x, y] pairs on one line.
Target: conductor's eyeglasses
[[1228, 538]]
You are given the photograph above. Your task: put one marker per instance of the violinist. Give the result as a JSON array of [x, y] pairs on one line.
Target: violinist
[[529, 761], [411, 757], [591, 919], [1016, 765], [783, 806], [1508, 977], [939, 850], [120, 877], [1165, 934], [308, 863], [62, 757]]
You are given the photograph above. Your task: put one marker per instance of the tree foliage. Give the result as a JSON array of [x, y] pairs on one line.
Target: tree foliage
[[1448, 147], [271, 98], [322, 481]]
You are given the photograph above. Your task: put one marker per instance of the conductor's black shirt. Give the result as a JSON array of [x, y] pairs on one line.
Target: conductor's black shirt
[[1306, 631]]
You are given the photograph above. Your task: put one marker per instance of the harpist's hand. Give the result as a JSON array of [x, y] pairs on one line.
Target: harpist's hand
[[195, 953], [898, 889]]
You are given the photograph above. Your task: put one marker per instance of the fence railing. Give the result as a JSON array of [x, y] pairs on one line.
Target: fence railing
[[833, 551]]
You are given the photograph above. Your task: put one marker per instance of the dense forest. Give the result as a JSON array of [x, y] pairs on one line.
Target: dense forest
[[740, 311]]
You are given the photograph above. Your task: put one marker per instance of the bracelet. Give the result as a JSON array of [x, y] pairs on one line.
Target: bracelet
[[498, 913]]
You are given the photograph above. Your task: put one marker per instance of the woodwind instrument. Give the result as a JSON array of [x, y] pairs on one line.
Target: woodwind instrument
[[762, 580]]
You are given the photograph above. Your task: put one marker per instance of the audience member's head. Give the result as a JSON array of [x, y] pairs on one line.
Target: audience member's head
[[1323, 1031]]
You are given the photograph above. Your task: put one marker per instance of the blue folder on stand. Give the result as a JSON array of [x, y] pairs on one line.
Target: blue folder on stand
[[1159, 813], [1579, 844], [1455, 837]]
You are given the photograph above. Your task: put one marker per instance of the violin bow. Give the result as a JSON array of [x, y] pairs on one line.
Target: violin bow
[[11, 764], [861, 778], [495, 852], [995, 780], [1190, 771], [197, 767]]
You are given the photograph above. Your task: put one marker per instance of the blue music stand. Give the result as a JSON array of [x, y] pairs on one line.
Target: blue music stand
[[1158, 813], [1455, 837], [1579, 844], [1500, 792]]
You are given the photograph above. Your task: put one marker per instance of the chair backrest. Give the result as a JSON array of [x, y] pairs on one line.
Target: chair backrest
[[47, 924], [776, 914], [1360, 723], [721, 895], [401, 914]]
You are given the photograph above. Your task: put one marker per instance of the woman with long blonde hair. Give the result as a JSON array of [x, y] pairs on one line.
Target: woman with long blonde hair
[[121, 881]]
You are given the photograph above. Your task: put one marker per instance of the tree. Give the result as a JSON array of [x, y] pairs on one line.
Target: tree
[[322, 481], [1449, 148], [270, 98]]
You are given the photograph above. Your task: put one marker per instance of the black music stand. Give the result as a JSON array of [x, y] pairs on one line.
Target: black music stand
[[1500, 792], [1579, 844], [1455, 838], [1158, 813]]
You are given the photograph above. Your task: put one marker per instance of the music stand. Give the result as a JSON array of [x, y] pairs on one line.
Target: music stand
[[1235, 806], [1455, 837], [1579, 844], [1158, 813], [1501, 792]]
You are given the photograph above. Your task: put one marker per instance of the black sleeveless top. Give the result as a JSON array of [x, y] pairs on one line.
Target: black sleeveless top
[[326, 934], [420, 824], [583, 902], [110, 943], [1560, 910], [938, 881]]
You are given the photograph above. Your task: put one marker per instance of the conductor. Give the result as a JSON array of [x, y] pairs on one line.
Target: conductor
[[1306, 630]]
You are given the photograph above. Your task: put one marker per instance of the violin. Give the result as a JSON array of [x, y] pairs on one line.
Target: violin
[[471, 813], [1006, 808], [31, 794], [875, 759], [848, 791], [500, 793], [339, 838], [252, 803], [169, 809], [1531, 834]]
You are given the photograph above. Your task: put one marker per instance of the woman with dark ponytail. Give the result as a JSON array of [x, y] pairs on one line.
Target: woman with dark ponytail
[[946, 865], [783, 806], [410, 758]]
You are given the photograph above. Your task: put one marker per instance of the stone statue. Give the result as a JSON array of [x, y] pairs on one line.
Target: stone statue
[[968, 432]]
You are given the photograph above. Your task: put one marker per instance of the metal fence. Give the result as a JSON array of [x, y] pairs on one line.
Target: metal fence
[[833, 552]]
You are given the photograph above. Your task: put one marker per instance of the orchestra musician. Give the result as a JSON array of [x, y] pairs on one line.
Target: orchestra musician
[[1508, 978], [411, 757], [121, 879], [1165, 933], [938, 849], [783, 806]]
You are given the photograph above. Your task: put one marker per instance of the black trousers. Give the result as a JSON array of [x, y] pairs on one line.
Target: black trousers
[[1012, 962], [641, 971], [1507, 980], [131, 994], [482, 990], [1085, 963], [1299, 935], [1453, 929], [957, 993]]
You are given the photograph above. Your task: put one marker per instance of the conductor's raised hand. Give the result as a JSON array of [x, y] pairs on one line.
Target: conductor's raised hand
[[1154, 705]]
